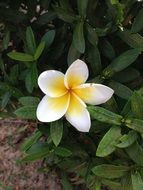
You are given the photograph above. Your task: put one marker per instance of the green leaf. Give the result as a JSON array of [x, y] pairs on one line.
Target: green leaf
[[6, 40], [14, 74], [34, 75], [137, 181], [29, 100], [137, 105], [127, 75], [78, 37], [14, 91], [39, 50], [121, 62], [28, 82], [56, 131], [110, 171], [39, 153], [20, 56], [93, 57], [30, 39], [112, 184], [65, 15], [26, 112], [48, 38], [82, 7], [134, 124], [135, 152], [31, 140], [73, 54], [5, 99], [121, 90], [133, 40], [65, 182], [108, 143], [111, 105], [46, 17], [64, 152], [137, 25], [91, 35], [127, 140], [104, 115], [107, 49]]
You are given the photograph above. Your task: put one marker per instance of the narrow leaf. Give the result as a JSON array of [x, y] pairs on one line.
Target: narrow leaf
[[56, 131], [135, 152], [110, 171], [137, 181], [39, 50], [121, 62], [30, 141], [108, 143], [121, 90], [82, 7], [30, 39], [104, 115], [20, 56], [127, 140], [137, 105], [78, 37], [135, 124], [137, 24]]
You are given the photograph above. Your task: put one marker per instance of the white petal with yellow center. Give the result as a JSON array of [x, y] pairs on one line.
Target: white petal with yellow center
[[94, 94], [76, 74], [78, 115], [52, 109], [52, 83]]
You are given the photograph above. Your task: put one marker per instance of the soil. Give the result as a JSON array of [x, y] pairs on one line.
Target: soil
[[15, 176]]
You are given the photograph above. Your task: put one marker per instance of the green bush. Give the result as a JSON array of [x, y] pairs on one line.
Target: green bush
[[51, 34]]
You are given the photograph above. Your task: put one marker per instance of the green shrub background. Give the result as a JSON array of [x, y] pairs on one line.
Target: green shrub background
[[51, 34]]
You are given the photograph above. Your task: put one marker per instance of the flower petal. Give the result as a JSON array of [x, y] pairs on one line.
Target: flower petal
[[78, 115], [52, 83], [94, 94], [76, 74], [52, 109]]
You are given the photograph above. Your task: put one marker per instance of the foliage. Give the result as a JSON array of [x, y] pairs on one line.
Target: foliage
[[51, 34]]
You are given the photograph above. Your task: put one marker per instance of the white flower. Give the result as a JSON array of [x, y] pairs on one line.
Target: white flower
[[67, 95]]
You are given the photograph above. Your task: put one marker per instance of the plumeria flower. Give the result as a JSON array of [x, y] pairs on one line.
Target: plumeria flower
[[67, 95]]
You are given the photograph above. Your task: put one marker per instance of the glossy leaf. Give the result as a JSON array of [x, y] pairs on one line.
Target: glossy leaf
[[20, 56], [39, 50], [104, 115], [48, 38], [109, 141]]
